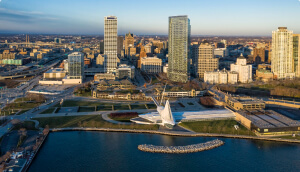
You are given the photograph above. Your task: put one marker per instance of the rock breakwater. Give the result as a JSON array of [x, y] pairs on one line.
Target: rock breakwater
[[181, 149]]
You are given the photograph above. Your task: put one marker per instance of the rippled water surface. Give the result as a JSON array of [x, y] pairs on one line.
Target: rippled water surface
[[100, 151]]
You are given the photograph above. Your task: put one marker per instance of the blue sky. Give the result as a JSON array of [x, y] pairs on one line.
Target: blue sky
[[208, 17]]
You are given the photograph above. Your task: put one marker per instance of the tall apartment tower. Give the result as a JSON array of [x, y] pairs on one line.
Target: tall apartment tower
[[110, 44], [76, 67], [282, 53], [179, 41], [296, 54], [205, 59]]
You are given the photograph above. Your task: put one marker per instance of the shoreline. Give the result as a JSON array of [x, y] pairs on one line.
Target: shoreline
[[180, 134]]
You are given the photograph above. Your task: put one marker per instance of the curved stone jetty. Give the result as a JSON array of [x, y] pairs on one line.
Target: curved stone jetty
[[181, 149]]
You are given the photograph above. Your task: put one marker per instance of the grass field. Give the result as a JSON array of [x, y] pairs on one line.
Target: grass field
[[23, 111], [151, 106], [7, 112], [22, 103], [123, 117], [104, 108], [50, 110], [217, 126], [140, 106], [121, 107], [88, 121], [72, 103], [85, 94], [86, 109], [297, 137]]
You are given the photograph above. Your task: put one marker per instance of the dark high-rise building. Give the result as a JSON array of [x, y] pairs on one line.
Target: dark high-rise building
[[259, 55], [101, 47], [120, 46]]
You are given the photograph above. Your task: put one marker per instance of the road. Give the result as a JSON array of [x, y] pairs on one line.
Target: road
[[33, 112], [9, 95]]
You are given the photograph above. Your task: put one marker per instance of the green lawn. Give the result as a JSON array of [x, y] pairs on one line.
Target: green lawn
[[121, 107], [85, 94], [23, 99], [21, 105], [88, 121], [297, 137], [217, 126], [23, 111], [104, 108], [47, 111], [151, 106], [122, 119], [86, 109], [7, 112], [139, 106], [72, 103]]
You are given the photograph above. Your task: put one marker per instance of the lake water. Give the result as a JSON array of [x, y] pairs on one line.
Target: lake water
[[107, 151]]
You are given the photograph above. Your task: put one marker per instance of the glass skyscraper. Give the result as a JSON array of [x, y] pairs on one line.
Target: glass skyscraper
[[296, 54], [179, 44], [110, 44], [76, 65]]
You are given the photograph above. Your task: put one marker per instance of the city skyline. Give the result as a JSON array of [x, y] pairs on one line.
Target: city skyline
[[230, 18]]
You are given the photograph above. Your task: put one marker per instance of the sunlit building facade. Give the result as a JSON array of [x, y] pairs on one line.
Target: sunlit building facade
[[282, 53], [179, 41], [110, 44]]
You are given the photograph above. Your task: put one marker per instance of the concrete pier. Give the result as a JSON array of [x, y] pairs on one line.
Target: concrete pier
[[181, 149]]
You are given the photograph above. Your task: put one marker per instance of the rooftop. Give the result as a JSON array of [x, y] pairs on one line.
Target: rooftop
[[55, 70], [245, 100], [269, 119]]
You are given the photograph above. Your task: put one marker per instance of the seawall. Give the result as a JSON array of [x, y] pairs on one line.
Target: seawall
[[182, 134]]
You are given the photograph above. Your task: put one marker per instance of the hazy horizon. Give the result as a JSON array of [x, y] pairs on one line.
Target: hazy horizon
[[208, 18]]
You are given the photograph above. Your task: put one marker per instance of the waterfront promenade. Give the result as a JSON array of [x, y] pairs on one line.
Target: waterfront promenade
[[177, 133]]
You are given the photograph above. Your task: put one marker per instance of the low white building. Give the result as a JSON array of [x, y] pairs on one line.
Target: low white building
[[244, 71], [220, 52], [125, 71], [221, 77], [151, 65], [232, 77], [211, 77]]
